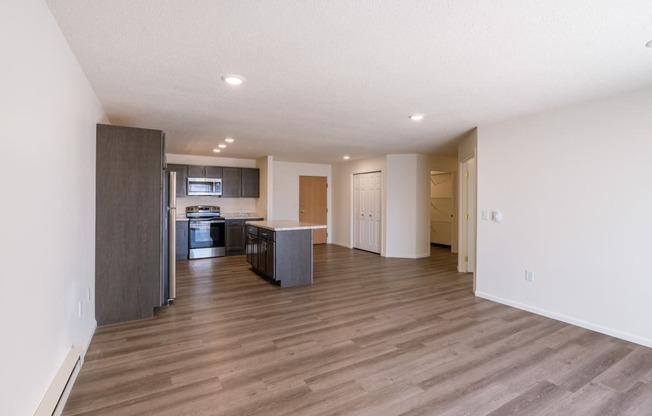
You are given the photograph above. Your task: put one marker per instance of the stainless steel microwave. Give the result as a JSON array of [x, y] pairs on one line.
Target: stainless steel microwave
[[205, 186]]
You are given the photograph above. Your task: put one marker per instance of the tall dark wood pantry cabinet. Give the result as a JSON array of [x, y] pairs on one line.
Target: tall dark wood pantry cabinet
[[129, 216]]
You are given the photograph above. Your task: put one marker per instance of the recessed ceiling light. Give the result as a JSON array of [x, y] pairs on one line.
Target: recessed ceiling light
[[217, 150], [346, 157], [221, 146], [229, 140], [233, 79], [649, 44], [417, 117]]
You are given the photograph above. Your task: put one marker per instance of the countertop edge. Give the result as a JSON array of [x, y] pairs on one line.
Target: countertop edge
[[297, 227]]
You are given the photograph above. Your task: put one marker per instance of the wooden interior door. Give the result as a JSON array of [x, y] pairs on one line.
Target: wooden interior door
[[312, 204]]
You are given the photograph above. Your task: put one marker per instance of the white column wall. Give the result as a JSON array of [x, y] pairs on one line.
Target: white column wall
[[48, 113], [574, 189], [264, 202], [407, 191]]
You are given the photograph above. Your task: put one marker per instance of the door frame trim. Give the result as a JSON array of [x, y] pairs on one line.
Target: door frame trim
[[465, 194]]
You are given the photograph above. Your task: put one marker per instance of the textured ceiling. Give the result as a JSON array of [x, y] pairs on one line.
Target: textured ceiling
[[327, 78]]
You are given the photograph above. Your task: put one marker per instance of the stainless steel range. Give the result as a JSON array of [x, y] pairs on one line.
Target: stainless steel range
[[207, 232]]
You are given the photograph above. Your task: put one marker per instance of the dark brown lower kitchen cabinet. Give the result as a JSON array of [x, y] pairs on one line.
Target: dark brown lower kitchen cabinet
[[266, 251], [260, 251], [236, 240], [252, 245], [236, 235], [182, 240], [129, 214]]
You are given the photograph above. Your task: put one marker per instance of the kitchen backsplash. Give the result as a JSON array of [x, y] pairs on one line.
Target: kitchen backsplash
[[227, 205]]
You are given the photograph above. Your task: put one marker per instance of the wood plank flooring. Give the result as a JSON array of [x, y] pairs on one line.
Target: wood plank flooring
[[371, 336]]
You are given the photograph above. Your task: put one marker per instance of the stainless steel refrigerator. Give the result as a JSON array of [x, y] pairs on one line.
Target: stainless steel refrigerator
[[168, 243]]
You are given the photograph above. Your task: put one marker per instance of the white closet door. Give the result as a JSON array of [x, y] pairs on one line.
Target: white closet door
[[367, 211]]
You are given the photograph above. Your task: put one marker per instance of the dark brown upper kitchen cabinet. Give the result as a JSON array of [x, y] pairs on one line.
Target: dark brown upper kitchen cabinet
[[129, 218], [236, 182], [204, 171], [250, 183], [240, 183], [182, 176], [231, 182]]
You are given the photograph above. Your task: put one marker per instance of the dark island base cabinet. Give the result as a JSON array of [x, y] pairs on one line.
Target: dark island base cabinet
[[282, 257]]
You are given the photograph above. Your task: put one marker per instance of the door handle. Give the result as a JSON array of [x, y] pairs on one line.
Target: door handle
[[303, 210]]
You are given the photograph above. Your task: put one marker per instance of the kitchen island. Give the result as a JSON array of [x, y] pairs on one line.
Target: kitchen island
[[281, 250]]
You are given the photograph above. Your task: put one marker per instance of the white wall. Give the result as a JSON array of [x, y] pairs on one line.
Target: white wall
[[264, 202], [405, 230], [574, 189], [342, 191], [468, 145], [48, 114], [227, 205], [286, 189], [407, 186]]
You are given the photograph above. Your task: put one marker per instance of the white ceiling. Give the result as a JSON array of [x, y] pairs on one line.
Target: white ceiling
[[333, 77]]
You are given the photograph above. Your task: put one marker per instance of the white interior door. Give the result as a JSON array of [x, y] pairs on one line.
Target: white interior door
[[367, 211], [441, 208]]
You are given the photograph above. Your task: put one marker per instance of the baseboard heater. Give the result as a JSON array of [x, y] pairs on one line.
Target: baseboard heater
[[57, 394]]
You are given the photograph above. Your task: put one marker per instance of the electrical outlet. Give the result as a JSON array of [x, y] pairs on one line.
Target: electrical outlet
[[88, 297], [80, 309], [529, 275], [485, 215]]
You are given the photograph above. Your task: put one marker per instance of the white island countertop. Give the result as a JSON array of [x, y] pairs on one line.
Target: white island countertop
[[285, 225]]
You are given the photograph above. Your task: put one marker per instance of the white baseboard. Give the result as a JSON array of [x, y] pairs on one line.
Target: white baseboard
[[56, 395], [83, 348], [88, 339], [341, 244], [568, 319]]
